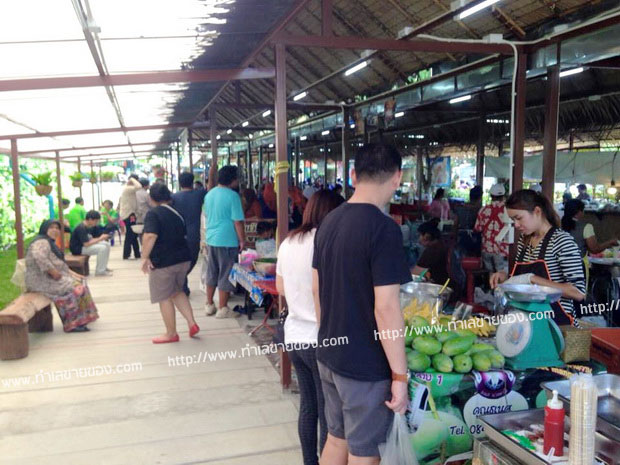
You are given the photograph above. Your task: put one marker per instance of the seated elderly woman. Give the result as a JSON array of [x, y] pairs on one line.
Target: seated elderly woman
[[48, 273]]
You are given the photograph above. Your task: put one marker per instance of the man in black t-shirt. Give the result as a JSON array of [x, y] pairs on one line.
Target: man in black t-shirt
[[83, 243], [359, 266]]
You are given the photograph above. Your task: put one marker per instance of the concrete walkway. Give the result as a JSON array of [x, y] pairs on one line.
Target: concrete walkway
[[147, 410]]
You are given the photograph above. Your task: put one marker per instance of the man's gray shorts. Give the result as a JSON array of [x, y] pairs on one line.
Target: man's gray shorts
[[356, 411], [220, 262]]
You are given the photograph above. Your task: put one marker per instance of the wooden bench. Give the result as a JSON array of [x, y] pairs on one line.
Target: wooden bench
[[78, 263], [30, 312]]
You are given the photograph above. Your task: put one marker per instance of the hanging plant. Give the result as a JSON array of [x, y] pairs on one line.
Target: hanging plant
[[43, 182], [107, 176], [76, 179], [92, 178]]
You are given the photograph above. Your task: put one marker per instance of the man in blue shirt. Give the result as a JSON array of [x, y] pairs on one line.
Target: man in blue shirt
[[188, 202], [225, 237]]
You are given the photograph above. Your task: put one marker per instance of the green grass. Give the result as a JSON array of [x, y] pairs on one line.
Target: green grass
[[8, 291]]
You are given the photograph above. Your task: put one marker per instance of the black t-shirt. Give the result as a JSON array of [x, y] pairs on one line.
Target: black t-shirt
[[79, 237], [356, 248], [189, 205], [170, 247], [435, 258]]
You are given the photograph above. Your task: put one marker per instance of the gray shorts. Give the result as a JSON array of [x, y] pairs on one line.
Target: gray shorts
[[220, 262], [167, 282], [356, 411]]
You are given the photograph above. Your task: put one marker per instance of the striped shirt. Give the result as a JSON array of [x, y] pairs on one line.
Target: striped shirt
[[563, 260]]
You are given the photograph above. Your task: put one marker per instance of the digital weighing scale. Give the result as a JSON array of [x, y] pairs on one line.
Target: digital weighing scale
[[529, 339]]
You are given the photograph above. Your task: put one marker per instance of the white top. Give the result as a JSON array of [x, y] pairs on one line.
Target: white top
[[294, 265]]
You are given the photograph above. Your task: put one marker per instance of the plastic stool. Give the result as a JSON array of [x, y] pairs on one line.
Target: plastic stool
[[471, 265]]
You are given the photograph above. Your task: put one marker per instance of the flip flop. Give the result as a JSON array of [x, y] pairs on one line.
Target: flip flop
[[165, 340], [193, 330]]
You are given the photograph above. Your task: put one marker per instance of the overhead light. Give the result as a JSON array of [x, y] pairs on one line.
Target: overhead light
[[300, 96], [303, 137], [612, 190], [218, 137], [570, 72], [352, 125], [356, 68], [229, 131], [251, 136], [270, 146], [325, 133], [266, 113], [399, 114], [477, 8], [497, 121], [460, 99], [245, 123]]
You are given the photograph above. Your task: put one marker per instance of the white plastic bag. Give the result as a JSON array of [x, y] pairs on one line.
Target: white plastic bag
[[19, 276], [397, 450]]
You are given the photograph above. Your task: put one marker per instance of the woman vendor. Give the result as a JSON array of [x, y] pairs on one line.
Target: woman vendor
[[48, 273], [546, 255], [582, 232]]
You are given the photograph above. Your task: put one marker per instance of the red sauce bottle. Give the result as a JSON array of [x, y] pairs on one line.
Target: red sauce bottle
[[554, 426]]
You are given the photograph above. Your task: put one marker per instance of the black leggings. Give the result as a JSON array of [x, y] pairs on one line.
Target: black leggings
[[312, 405]]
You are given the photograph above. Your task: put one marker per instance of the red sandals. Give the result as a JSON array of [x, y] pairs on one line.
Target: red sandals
[[165, 340]]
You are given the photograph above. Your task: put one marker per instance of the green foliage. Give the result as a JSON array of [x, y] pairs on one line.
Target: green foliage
[[77, 176], [107, 176], [43, 179], [92, 177], [8, 291], [421, 75]]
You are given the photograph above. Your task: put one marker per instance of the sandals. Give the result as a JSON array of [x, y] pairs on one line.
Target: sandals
[[193, 330], [165, 340]]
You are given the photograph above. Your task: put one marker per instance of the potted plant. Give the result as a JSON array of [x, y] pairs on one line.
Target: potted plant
[[107, 176], [76, 179], [43, 183], [92, 178]]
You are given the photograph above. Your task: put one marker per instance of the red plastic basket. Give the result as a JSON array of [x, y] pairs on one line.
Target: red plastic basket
[[606, 348]]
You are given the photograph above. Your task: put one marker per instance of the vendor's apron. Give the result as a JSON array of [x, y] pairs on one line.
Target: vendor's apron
[[539, 268]]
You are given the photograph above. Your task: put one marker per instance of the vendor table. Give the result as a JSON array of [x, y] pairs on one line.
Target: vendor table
[[248, 279]]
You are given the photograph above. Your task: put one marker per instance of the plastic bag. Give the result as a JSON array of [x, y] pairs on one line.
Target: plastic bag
[[397, 450], [19, 276]]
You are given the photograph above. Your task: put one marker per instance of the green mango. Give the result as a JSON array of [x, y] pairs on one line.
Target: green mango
[[418, 321], [481, 361], [466, 333], [457, 345], [445, 335], [443, 363], [418, 362], [462, 363], [427, 345], [480, 347], [496, 358], [408, 336]]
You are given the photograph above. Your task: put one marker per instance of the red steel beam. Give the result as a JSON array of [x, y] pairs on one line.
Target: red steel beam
[[418, 45], [159, 77], [78, 132]]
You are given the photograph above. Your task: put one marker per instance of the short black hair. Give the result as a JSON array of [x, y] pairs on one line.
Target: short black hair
[[65, 202], [264, 226], [582, 187], [145, 182], [199, 183], [186, 180], [475, 193], [93, 215], [227, 174], [377, 162], [134, 176], [338, 186], [79, 200], [431, 228], [160, 193]]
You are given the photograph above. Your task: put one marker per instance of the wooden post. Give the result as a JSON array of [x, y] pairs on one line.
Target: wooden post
[[249, 166], [61, 216], [480, 151], [100, 188], [179, 167], [420, 172], [260, 165], [282, 177], [519, 124], [346, 151], [228, 151], [191, 150], [552, 106], [92, 184], [325, 165], [213, 126], [19, 232]]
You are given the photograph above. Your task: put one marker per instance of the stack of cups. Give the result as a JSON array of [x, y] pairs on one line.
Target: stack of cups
[[583, 412]]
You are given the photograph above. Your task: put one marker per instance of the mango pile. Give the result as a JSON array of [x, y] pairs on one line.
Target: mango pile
[[447, 351]]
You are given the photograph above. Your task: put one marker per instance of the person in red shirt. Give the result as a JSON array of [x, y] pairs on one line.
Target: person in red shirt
[[490, 221], [251, 205]]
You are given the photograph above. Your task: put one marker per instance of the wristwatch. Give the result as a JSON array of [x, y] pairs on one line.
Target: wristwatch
[[400, 377]]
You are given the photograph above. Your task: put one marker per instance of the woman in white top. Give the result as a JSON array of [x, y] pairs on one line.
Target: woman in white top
[[294, 280]]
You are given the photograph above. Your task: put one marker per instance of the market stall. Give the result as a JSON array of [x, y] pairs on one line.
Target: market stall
[[472, 377]]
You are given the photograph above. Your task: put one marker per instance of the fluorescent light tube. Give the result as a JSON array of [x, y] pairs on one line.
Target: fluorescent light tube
[[300, 96], [460, 99], [356, 68], [477, 8]]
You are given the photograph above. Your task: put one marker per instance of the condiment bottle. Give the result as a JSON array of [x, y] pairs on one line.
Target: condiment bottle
[[554, 426]]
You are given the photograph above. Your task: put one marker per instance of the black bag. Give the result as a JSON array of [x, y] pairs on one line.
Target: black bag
[[278, 336]]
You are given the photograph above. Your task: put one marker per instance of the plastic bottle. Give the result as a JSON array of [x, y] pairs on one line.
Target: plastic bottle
[[554, 426]]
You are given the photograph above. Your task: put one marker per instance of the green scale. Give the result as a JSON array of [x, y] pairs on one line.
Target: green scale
[[528, 338]]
